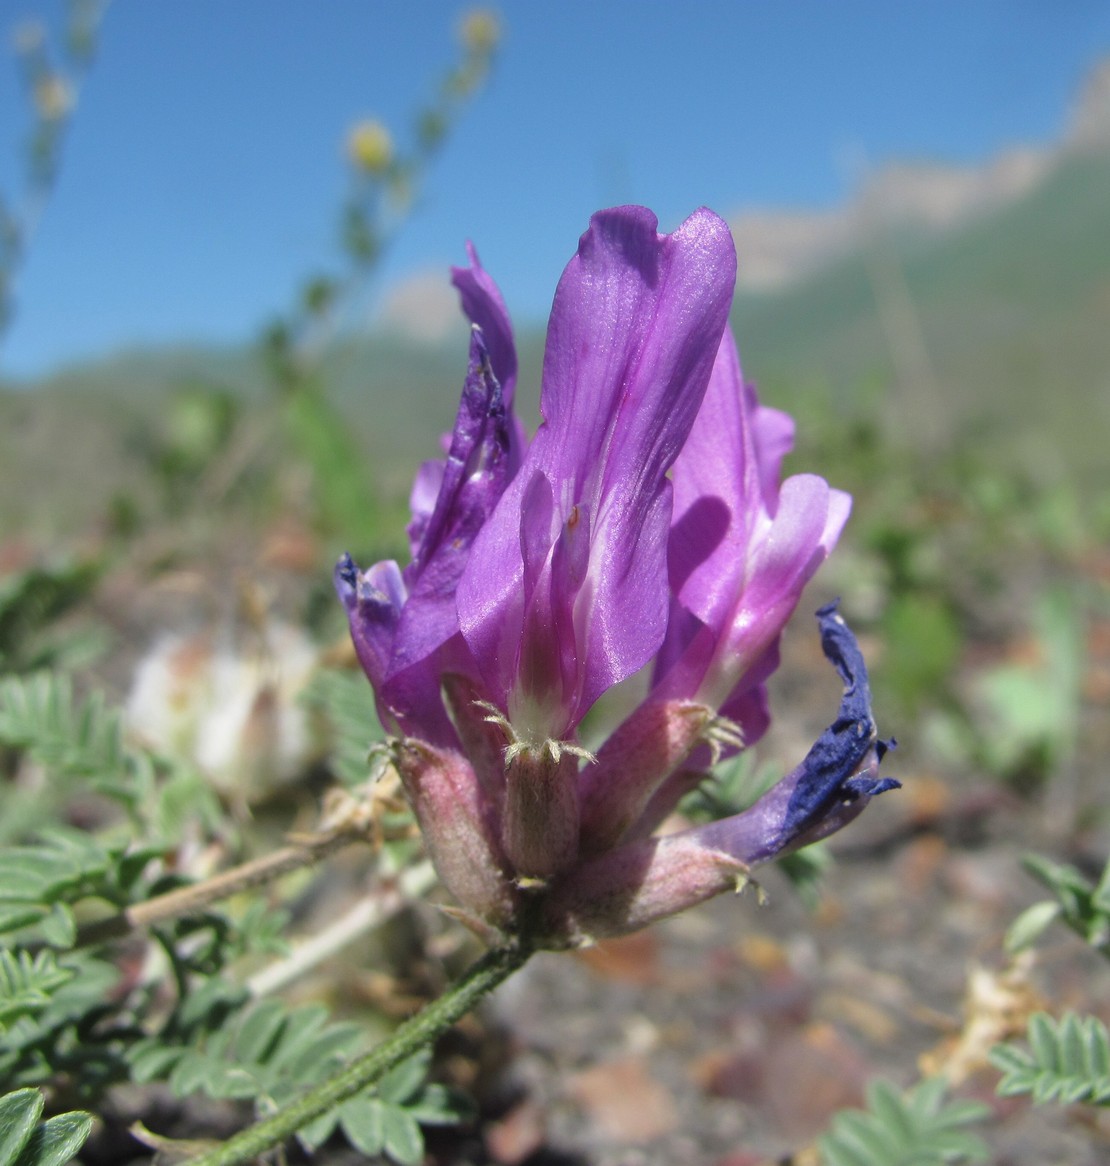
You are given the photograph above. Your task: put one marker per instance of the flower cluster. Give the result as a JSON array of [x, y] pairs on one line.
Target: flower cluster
[[644, 524]]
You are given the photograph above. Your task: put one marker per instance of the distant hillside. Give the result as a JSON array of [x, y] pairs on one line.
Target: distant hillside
[[1003, 322], [1005, 318], [72, 441], [782, 247]]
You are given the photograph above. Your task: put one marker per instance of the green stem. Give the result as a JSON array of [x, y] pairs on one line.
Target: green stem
[[417, 1032]]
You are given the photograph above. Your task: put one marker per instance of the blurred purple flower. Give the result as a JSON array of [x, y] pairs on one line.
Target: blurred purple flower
[[644, 523]]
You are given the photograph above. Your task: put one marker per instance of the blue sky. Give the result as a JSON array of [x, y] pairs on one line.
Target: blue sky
[[204, 166]]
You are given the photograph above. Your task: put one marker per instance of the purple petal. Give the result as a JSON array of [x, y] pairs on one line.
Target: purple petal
[[634, 330], [555, 565], [773, 433], [473, 478], [834, 782], [374, 600], [403, 623], [422, 501], [483, 304], [740, 549], [718, 493]]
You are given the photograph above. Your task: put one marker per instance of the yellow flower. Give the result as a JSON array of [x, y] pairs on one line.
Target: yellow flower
[[480, 30], [54, 98], [370, 147]]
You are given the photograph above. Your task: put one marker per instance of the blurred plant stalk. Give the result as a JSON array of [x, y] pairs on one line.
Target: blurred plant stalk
[[52, 76], [386, 179]]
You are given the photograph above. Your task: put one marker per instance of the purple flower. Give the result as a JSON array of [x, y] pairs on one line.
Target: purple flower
[[643, 524]]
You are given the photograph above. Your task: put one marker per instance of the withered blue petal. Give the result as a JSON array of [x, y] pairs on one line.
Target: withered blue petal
[[829, 772]]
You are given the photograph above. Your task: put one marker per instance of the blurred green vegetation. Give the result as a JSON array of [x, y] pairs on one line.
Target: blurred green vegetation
[[1011, 308]]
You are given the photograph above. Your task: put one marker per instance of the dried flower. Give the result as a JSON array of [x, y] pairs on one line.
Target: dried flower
[[644, 523]]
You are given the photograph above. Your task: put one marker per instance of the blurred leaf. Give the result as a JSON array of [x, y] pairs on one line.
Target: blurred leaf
[[40, 714], [399, 1084], [346, 701], [27, 983], [322, 439], [1030, 716], [404, 1142], [30, 603], [925, 644], [913, 1129], [19, 1114], [1067, 1061], [56, 1141], [1081, 904], [363, 1122], [1030, 925]]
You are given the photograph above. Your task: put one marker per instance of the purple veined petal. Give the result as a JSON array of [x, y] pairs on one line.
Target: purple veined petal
[[773, 433], [422, 501], [555, 567], [374, 600], [483, 305], [634, 330], [741, 548], [402, 621], [539, 528], [470, 483], [473, 476]]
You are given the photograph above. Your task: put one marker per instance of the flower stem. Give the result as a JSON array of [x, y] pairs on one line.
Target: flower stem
[[417, 1032], [191, 900]]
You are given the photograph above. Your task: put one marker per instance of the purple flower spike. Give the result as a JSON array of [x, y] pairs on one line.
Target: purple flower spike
[[645, 524], [562, 601]]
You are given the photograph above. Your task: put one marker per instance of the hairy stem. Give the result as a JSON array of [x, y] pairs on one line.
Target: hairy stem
[[416, 1033]]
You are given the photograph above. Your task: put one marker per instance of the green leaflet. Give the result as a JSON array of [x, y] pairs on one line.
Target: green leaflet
[[1067, 1061], [27, 1141], [911, 1129]]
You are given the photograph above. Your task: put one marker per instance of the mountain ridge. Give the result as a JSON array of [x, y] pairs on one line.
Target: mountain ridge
[[780, 247]]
